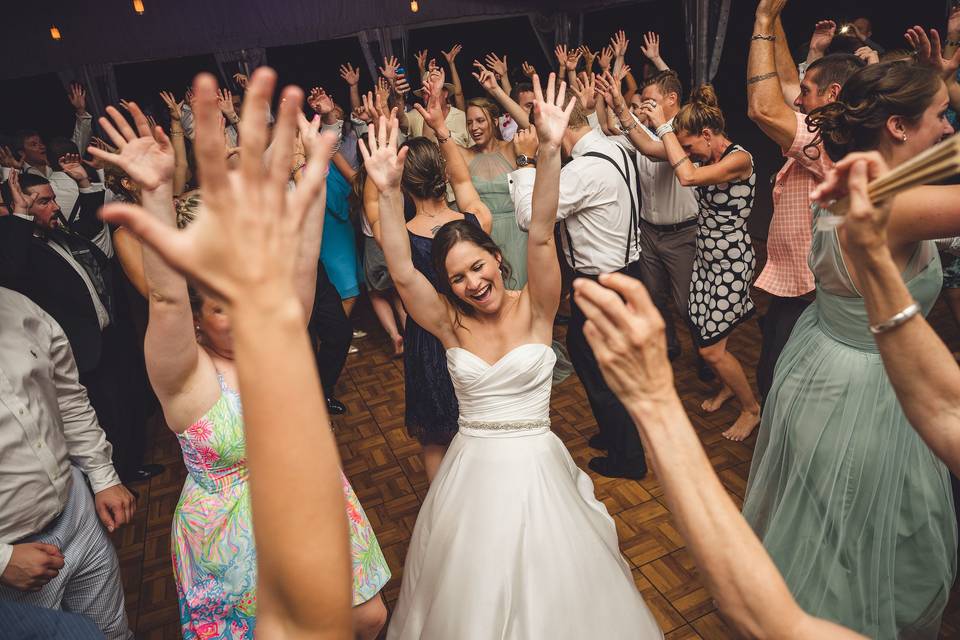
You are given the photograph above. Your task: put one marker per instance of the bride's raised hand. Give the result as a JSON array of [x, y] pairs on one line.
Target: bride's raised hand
[[549, 113], [246, 241], [384, 163]]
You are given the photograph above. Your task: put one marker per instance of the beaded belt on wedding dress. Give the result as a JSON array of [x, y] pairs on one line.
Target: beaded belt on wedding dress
[[516, 425]]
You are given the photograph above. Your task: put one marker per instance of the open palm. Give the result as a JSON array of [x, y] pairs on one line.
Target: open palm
[[146, 154], [551, 116], [383, 162]]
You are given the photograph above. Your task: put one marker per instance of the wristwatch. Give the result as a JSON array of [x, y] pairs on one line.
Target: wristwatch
[[526, 161]]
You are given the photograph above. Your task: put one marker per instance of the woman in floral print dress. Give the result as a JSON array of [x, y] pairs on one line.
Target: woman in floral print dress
[[189, 355]]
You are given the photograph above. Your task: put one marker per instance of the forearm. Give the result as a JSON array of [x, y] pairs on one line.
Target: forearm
[[603, 117], [457, 88], [179, 157], [505, 84], [546, 196], [394, 239], [766, 103], [757, 602], [355, 100], [928, 387], [303, 580], [631, 87], [683, 167], [516, 112], [311, 235], [786, 68], [457, 169], [82, 131], [659, 64]]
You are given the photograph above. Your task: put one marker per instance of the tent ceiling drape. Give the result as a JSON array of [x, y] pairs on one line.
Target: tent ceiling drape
[[109, 31]]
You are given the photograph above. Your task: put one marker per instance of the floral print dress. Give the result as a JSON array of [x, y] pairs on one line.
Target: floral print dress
[[214, 557]]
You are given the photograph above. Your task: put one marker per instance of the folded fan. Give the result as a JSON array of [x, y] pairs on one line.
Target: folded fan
[[933, 165]]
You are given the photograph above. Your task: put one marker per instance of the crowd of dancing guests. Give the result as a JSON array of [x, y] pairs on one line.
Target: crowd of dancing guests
[[206, 268]]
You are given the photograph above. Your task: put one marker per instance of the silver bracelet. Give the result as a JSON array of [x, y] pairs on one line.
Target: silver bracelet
[[664, 129], [897, 320]]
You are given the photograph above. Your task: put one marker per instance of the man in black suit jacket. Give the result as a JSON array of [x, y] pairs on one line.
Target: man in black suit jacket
[[64, 268]]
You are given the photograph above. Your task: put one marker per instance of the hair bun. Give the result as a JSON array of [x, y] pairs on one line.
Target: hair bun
[[705, 96]]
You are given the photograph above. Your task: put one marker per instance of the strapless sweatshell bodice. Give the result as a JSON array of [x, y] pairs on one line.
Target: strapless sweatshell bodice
[[513, 393]]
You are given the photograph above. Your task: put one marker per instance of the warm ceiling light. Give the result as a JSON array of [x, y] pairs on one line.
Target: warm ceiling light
[[138, 7], [414, 6], [55, 33]]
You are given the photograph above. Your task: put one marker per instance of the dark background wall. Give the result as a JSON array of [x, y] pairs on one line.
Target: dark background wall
[[39, 101]]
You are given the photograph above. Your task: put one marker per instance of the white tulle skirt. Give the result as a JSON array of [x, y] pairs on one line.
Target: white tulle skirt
[[512, 544]]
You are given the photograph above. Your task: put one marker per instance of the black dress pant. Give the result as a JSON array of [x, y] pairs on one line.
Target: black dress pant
[[776, 327], [330, 331], [616, 426]]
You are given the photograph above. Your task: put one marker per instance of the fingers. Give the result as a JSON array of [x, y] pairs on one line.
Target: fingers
[[857, 186], [106, 516], [140, 120], [162, 238], [594, 300], [253, 125], [116, 134], [633, 291], [284, 132], [49, 549]]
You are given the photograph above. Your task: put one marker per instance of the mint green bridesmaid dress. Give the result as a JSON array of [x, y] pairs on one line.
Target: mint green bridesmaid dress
[[489, 174], [853, 507]]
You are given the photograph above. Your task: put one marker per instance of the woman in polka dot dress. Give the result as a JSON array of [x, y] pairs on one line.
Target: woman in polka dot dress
[[723, 269]]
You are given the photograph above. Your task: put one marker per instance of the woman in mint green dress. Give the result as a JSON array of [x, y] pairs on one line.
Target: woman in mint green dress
[[853, 507], [490, 159]]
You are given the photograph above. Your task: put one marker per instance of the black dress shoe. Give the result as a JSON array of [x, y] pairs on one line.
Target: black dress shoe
[[597, 441], [335, 407], [147, 471], [608, 469], [673, 352]]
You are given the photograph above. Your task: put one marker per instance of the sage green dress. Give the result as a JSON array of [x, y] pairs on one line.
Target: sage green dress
[[489, 174], [853, 507]]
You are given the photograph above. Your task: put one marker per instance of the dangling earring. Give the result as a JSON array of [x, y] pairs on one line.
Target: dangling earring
[[199, 335]]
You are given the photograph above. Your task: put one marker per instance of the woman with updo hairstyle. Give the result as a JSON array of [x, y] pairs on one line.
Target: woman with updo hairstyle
[[431, 408], [719, 299], [851, 504]]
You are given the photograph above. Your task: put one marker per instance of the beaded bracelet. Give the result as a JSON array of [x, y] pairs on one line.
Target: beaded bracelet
[[664, 129], [760, 36]]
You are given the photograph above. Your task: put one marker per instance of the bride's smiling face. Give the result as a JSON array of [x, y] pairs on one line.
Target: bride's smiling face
[[474, 276]]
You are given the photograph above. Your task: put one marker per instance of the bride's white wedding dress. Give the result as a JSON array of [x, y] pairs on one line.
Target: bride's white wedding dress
[[511, 543]]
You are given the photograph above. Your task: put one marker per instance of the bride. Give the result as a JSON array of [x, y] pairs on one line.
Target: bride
[[510, 542]]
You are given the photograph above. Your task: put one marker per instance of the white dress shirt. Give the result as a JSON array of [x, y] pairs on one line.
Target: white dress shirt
[[594, 206], [665, 200], [46, 423]]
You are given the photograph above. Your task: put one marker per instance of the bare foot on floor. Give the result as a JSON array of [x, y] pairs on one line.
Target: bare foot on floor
[[743, 427], [398, 346], [712, 404]]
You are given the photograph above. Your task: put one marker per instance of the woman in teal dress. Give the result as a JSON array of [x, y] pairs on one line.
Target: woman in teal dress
[[852, 506], [490, 159], [339, 252]]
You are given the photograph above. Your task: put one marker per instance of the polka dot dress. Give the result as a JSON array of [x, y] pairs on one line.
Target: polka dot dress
[[723, 268]]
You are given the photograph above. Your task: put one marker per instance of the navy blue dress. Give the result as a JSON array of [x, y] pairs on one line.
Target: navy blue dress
[[431, 404]]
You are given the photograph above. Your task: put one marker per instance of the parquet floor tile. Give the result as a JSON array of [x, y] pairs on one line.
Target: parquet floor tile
[[383, 463]]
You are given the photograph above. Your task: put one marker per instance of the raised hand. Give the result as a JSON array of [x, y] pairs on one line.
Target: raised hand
[[452, 54], [361, 113], [930, 51], [7, 159], [605, 58], [823, 33], [382, 95], [350, 74], [319, 101], [549, 112], [496, 64], [585, 89], [626, 333], [71, 165], [188, 97], [573, 59], [402, 85], [78, 98], [835, 184], [619, 43], [422, 59], [528, 69], [525, 142], [433, 113], [242, 80], [389, 68], [225, 103], [867, 54], [145, 155], [561, 53], [485, 77], [173, 107], [100, 144], [654, 113], [248, 238], [384, 163], [651, 45], [588, 57], [21, 201]]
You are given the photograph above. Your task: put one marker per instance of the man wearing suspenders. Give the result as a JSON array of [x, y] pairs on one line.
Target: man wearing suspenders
[[599, 215]]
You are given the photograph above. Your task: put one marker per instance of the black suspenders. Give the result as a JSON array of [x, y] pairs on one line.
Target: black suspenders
[[633, 232]]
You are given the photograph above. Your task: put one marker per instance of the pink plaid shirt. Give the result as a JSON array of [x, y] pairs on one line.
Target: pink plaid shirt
[[786, 272]]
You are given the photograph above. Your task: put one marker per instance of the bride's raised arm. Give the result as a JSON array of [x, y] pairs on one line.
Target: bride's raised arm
[[543, 282], [385, 168]]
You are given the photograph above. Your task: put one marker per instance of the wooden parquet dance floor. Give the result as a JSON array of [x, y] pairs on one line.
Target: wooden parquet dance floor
[[384, 465]]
